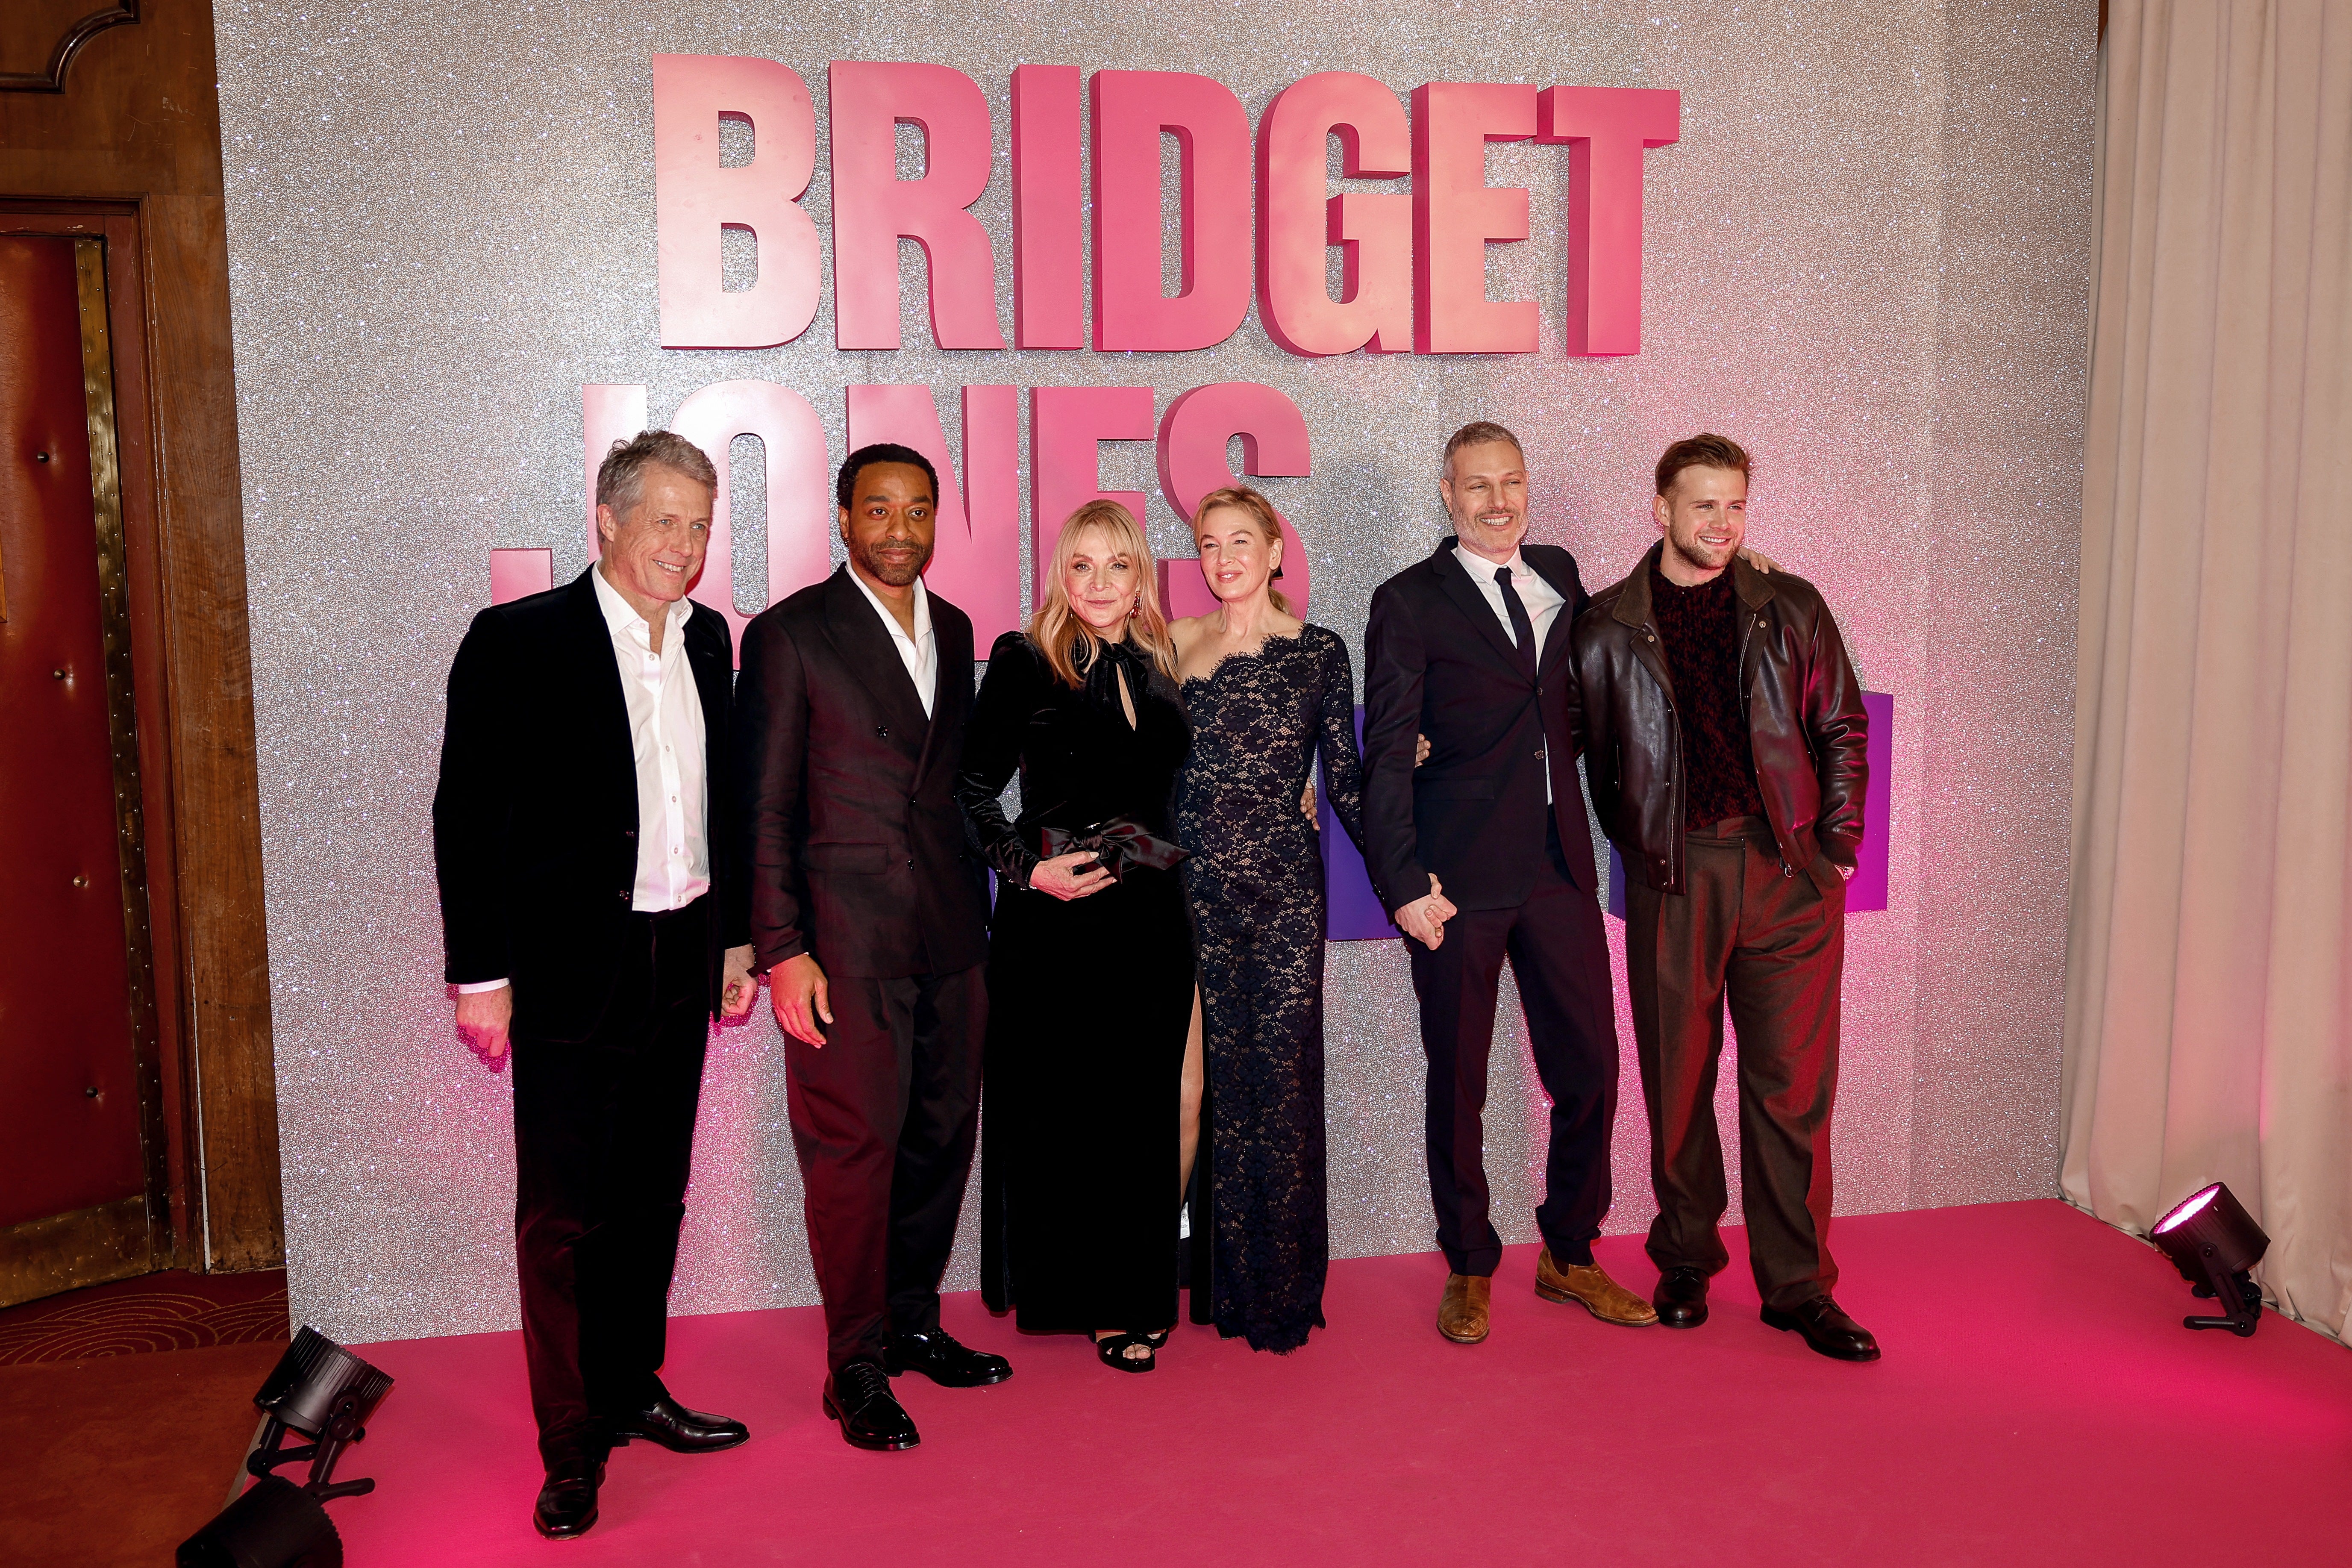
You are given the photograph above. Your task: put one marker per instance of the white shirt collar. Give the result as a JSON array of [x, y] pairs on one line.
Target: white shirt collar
[[889, 621], [1487, 569], [620, 614]]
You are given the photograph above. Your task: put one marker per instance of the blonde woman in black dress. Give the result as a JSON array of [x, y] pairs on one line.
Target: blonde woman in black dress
[[1090, 953], [1267, 693]]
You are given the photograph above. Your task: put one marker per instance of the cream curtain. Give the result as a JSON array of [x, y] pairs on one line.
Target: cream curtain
[[2208, 1024]]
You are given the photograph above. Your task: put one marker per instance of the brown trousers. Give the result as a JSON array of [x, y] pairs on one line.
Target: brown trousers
[[1771, 942]]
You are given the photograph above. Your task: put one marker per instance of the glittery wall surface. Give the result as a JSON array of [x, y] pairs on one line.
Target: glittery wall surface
[[1867, 257]]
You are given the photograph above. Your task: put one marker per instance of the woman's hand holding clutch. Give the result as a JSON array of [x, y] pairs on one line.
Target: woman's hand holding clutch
[[1071, 876]]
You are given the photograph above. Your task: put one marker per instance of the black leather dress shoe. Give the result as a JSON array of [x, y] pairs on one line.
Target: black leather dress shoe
[[678, 1429], [938, 1357], [1827, 1329], [1681, 1297], [567, 1502], [859, 1397]]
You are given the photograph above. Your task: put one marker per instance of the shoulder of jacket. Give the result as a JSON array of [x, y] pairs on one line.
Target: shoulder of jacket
[[1604, 599], [1016, 644], [945, 613], [1560, 554], [1799, 594]]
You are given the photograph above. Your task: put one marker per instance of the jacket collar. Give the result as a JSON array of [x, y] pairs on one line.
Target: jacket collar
[[871, 655], [1753, 587], [1471, 600]]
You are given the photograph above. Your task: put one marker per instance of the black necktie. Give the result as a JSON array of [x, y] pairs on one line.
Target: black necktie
[[1521, 628]]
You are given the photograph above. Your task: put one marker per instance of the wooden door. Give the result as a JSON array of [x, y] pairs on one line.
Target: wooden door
[[82, 1167]]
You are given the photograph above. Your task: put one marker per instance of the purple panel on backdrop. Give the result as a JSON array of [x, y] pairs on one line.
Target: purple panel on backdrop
[[1867, 890], [1351, 909]]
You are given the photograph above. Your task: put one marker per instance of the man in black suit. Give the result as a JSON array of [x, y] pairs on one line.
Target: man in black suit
[[592, 910], [1483, 854], [869, 918]]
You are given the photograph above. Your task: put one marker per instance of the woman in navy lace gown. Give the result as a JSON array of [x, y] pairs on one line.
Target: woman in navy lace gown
[[1267, 693]]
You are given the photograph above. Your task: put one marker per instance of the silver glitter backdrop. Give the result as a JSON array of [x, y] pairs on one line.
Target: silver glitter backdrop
[[1867, 257]]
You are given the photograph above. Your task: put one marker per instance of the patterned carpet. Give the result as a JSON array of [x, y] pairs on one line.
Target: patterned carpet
[[167, 1311]]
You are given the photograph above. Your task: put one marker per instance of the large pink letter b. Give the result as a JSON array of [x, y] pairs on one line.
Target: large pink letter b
[[693, 198], [1297, 223], [873, 208], [1456, 215], [1605, 129], [1130, 110]]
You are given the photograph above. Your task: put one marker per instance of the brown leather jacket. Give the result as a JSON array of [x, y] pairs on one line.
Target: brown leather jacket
[[1806, 726]]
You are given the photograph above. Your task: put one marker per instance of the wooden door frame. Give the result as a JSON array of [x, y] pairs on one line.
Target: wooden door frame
[[130, 150], [107, 1243]]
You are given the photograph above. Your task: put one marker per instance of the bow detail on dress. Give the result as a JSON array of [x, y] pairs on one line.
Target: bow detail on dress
[[1119, 844]]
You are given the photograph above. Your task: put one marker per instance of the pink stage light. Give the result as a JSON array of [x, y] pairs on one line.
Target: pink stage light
[[2181, 1214]]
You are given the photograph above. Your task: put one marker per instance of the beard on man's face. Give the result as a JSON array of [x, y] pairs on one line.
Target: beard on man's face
[[882, 568]]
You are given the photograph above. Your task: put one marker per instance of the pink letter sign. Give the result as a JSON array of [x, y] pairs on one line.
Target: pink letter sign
[[1296, 223], [976, 562], [800, 509], [1605, 129], [1130, 110], [1066, 425], [1049, 303], [871, 207], [1193, 463], [693, 198], [1455, 215]]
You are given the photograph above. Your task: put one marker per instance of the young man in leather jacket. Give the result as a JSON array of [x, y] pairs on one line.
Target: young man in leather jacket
[[1725, 745]]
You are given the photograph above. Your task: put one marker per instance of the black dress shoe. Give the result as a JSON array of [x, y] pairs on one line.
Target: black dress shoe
[[678, 1429], [1681, 1297], [567, 1502], [1827, 1329], [859, 1397], [938, 1357]]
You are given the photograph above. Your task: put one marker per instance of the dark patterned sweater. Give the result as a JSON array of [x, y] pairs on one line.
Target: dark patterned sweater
[[1699, 627]]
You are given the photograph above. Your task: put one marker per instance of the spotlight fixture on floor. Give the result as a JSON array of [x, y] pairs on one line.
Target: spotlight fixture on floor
[[320, 1390], [2214, 1242]]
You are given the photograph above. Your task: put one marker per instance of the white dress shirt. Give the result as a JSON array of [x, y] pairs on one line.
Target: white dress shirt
[[1541, 601], [665, 735], [919, 653]]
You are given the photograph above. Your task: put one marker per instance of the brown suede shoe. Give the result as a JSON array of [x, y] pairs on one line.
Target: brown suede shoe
[[1595, 1291], [1462, 1311]]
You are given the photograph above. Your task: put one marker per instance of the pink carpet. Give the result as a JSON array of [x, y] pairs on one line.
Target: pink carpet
[[2039, 1403]]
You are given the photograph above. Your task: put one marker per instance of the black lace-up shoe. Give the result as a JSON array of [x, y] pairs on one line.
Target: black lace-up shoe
[[1827, 1329], [859, 1397], [938, 1357], [1681, 1297]]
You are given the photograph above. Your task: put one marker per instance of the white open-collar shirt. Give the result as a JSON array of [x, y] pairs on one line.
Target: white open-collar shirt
[[920, 652], [666, 737]]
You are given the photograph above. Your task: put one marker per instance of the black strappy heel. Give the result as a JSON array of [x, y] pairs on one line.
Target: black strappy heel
[[1113, 1352], [1155, 1342]]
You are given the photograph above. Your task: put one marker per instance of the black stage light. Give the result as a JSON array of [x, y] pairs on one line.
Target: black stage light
[[274, 1524], [320, 1390], [2214, 1242]]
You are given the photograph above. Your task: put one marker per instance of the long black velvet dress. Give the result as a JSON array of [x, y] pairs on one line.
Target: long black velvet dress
[[1256, 882], [1089, 1001]]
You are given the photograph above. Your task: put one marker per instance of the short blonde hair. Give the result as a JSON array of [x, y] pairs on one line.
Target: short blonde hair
[[1260, 510], [1055, 629]]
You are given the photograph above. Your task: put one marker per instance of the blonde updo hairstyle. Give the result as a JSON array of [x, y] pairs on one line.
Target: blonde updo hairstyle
[[1057, 629], [1259, 511]]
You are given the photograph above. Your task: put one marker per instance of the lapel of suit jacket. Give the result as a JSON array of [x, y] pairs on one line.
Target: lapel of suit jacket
[[1467, 597], [1634, 610], [952, 645], [1539, 560], [708, 656], [871, 655], [599, 672]]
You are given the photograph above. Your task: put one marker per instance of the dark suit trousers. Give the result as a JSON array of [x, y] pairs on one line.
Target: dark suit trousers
[[603, 1143], [1561, 963], [884, 1120], [1774, 946]]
